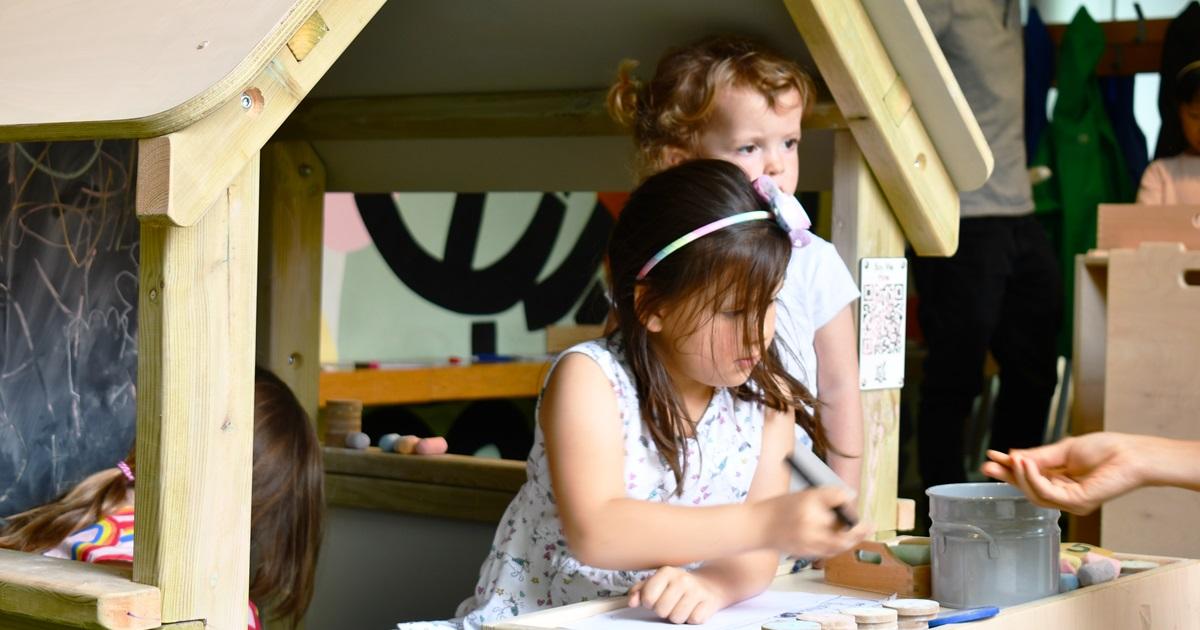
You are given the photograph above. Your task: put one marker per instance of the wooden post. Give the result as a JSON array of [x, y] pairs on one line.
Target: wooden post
[[195, 403], [864, 226], [289, 267]]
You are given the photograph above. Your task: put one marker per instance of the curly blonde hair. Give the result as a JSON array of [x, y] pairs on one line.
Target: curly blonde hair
[[672, 109]]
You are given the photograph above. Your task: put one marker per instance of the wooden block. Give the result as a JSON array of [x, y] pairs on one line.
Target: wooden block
[[308, 36], [906, 515], [340, 417], [64, 593], [1152, 386], [1130, 225]]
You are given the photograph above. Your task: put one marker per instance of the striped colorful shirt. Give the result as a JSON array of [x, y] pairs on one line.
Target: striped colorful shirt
[[110, 540]]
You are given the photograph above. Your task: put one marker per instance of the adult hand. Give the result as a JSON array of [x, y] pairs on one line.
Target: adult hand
[[1076, 474]]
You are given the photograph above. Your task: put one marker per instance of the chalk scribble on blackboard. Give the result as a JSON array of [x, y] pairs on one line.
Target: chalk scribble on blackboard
[[68, 314]]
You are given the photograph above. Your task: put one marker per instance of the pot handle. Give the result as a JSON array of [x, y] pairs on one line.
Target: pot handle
[[993, 553]]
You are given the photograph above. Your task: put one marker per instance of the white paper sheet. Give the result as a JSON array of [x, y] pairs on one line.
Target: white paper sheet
[[748, 615]]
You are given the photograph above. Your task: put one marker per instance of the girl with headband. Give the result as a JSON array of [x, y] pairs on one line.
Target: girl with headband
[[658, 466]]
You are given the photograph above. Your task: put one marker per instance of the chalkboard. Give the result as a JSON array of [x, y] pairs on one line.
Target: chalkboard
[[68, 315]]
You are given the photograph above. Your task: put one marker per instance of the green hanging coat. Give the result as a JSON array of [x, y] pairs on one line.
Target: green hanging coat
[[1081, 150]]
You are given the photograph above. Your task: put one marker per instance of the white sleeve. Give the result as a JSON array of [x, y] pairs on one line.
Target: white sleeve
[[831, 285]]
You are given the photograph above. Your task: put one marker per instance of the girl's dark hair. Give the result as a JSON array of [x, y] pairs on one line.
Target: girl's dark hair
[[1187, 84], [743, 264], [287, 504], [287, 501]]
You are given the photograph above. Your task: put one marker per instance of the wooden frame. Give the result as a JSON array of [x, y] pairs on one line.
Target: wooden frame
[[199, 203]]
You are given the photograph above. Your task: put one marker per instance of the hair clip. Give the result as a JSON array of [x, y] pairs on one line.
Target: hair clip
[[787, 210], [125, 470]]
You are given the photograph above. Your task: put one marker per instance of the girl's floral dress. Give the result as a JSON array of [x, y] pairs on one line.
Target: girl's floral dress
[[530, 567]]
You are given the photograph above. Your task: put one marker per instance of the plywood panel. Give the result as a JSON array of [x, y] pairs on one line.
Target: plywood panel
[[132, 68], [1152, 386]]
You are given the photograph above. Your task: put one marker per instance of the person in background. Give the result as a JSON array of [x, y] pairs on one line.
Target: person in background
[[1001, 291], [1176, 180], [94, 521], [1078, 474]]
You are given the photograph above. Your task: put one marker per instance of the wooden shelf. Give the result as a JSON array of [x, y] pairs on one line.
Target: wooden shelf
[[518, 379], [447, 486]]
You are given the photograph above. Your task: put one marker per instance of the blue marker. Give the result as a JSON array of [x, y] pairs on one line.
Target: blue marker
[[964, 615]]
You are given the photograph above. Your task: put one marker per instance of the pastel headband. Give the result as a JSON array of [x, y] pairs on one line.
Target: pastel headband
[[785, 209]]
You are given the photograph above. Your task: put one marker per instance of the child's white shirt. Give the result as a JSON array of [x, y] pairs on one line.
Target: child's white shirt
[[817, 287]]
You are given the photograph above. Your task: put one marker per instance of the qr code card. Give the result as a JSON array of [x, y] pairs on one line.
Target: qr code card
[[884, 286]]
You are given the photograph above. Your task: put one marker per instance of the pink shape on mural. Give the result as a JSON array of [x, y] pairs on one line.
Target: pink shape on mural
[[344, 229]]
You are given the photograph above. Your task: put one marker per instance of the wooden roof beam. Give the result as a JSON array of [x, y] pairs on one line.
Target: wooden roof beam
[[486, 115], [879, 111]]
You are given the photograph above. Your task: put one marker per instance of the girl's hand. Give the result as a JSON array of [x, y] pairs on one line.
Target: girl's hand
[[803, 523], [676, 595]]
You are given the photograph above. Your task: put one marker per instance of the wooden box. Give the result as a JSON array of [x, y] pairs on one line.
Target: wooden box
[[891, 575]]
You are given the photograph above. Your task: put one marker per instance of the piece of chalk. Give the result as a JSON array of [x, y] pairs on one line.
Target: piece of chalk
[[868, 557], [912, 555], [1095, 557], [358, 440], [1067, 582], [405, 445], [388, 442], [1096, 573], [431, 446], [1069, 564], [1137, 566]]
